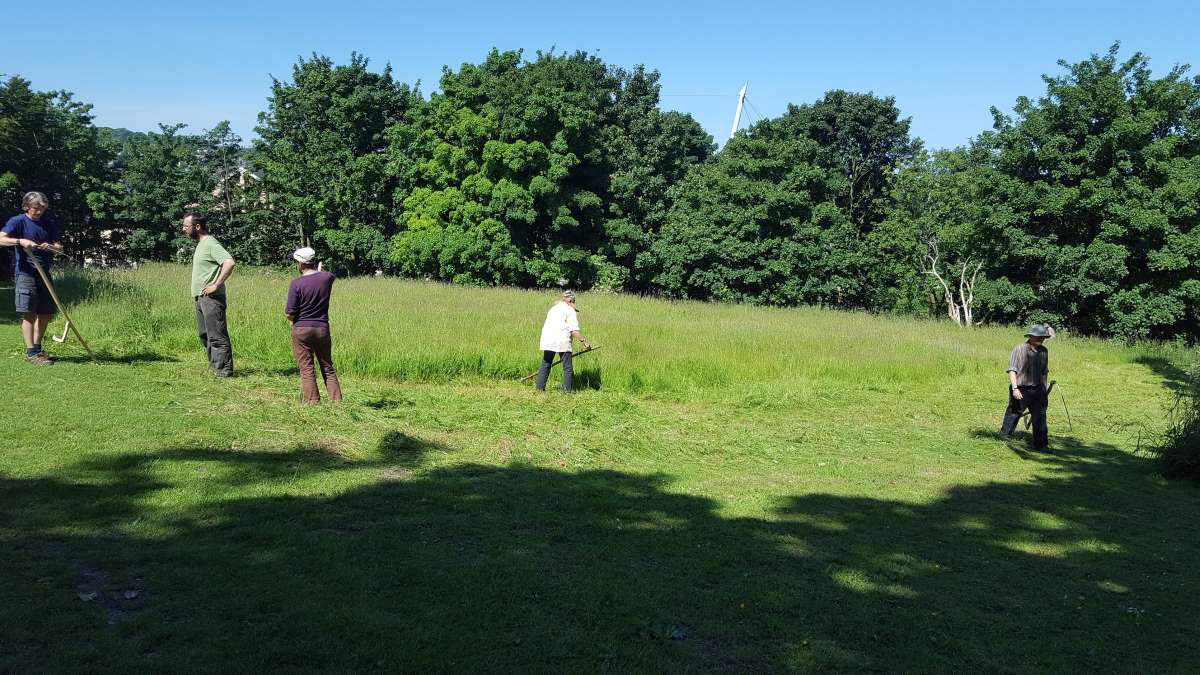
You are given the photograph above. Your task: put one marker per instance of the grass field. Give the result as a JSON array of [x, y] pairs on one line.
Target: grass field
[[735, 489]]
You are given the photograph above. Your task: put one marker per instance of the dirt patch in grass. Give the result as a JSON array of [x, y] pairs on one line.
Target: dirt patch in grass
[[393, 473], [119, 601], [504, 450]]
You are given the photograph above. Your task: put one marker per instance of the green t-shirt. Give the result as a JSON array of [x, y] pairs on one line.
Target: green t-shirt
[[206, 263]]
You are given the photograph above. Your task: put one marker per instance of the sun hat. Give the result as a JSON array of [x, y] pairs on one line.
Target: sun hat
[[1040, 330], [304, 255]]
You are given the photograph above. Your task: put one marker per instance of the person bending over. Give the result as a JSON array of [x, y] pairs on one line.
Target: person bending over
[[561, 326]]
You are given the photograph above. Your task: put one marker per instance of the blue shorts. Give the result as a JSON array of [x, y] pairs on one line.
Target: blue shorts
[[32, 296]]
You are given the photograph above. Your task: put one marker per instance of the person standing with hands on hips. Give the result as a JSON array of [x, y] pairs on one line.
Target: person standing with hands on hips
[[211, 267], [33, 233], [561, 326]]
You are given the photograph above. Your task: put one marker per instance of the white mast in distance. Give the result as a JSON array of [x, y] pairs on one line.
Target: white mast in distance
[[737, 116]]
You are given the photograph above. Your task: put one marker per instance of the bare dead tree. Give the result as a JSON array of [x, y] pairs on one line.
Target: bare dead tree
[[960, 306], [966, 290]]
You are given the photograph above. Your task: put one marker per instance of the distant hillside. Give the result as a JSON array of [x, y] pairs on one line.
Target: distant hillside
[[117, 135]]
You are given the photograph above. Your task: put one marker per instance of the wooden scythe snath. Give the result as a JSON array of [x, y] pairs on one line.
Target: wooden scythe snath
[[558, 361]]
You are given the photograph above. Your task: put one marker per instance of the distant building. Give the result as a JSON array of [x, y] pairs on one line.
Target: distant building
[[243, 178]]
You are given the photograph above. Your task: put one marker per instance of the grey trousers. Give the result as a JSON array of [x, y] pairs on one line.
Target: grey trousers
[[214, 333], [543, 373]]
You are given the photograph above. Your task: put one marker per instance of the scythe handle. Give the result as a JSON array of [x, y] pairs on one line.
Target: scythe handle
[[558, 361], [54, 294]]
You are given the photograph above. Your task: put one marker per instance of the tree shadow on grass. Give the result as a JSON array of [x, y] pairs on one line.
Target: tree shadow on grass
[[1020, 443], [312, 560], [1174, 378], [8, 307]]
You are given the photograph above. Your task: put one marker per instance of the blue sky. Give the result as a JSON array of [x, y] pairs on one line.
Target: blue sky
[[946, 63]]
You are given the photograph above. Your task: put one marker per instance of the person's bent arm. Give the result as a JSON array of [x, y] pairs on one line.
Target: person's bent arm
[[579, 336], [9, 240], [222, 277], [292, 308]]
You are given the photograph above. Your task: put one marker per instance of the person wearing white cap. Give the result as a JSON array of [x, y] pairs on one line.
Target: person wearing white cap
[[308, 310], [562, 324]]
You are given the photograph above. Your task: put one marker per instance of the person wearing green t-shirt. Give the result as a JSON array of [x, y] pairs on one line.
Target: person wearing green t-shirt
[[211, 267]]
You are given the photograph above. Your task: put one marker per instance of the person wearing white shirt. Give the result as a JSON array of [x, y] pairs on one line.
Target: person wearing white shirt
[[562, 325]]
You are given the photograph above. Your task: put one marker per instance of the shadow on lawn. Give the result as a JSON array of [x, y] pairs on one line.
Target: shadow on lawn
[[8, 307], [308, 560], [1174, 377]]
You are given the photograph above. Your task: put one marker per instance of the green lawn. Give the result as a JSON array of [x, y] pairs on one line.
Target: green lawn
[[735, 489]]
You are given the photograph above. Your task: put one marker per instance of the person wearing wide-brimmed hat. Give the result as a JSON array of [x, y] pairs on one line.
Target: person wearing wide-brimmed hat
[[561, 326], [308, 310], [1028, 368]]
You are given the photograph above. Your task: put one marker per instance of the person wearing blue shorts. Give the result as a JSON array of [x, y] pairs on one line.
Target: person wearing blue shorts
[[33, 233]]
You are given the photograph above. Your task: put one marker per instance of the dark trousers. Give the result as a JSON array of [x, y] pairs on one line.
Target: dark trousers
[[1035, 401], [311, 343], [544, 370], [214, 333]]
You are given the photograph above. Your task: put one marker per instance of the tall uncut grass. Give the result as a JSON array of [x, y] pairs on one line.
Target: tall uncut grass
[[412, 330]]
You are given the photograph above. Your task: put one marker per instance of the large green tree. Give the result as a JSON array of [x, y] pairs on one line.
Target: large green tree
[[782, 214], [1089, 199], [161, 176], [48, 144], [323, 151], [509, 189], [650, 150], [862, 140], [542, 172], [933, 248]]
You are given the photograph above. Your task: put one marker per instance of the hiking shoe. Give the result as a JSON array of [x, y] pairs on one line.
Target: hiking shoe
[[39, 359]]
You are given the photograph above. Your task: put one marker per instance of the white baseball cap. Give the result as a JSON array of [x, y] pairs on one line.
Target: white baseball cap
[[304, 255]]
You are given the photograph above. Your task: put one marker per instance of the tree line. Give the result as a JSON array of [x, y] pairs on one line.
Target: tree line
[[1078, 208]]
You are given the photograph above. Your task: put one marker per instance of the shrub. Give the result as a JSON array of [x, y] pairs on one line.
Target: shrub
[[1178, 449]]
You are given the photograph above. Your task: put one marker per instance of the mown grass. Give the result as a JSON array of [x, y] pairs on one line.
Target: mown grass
[[747, 490]]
